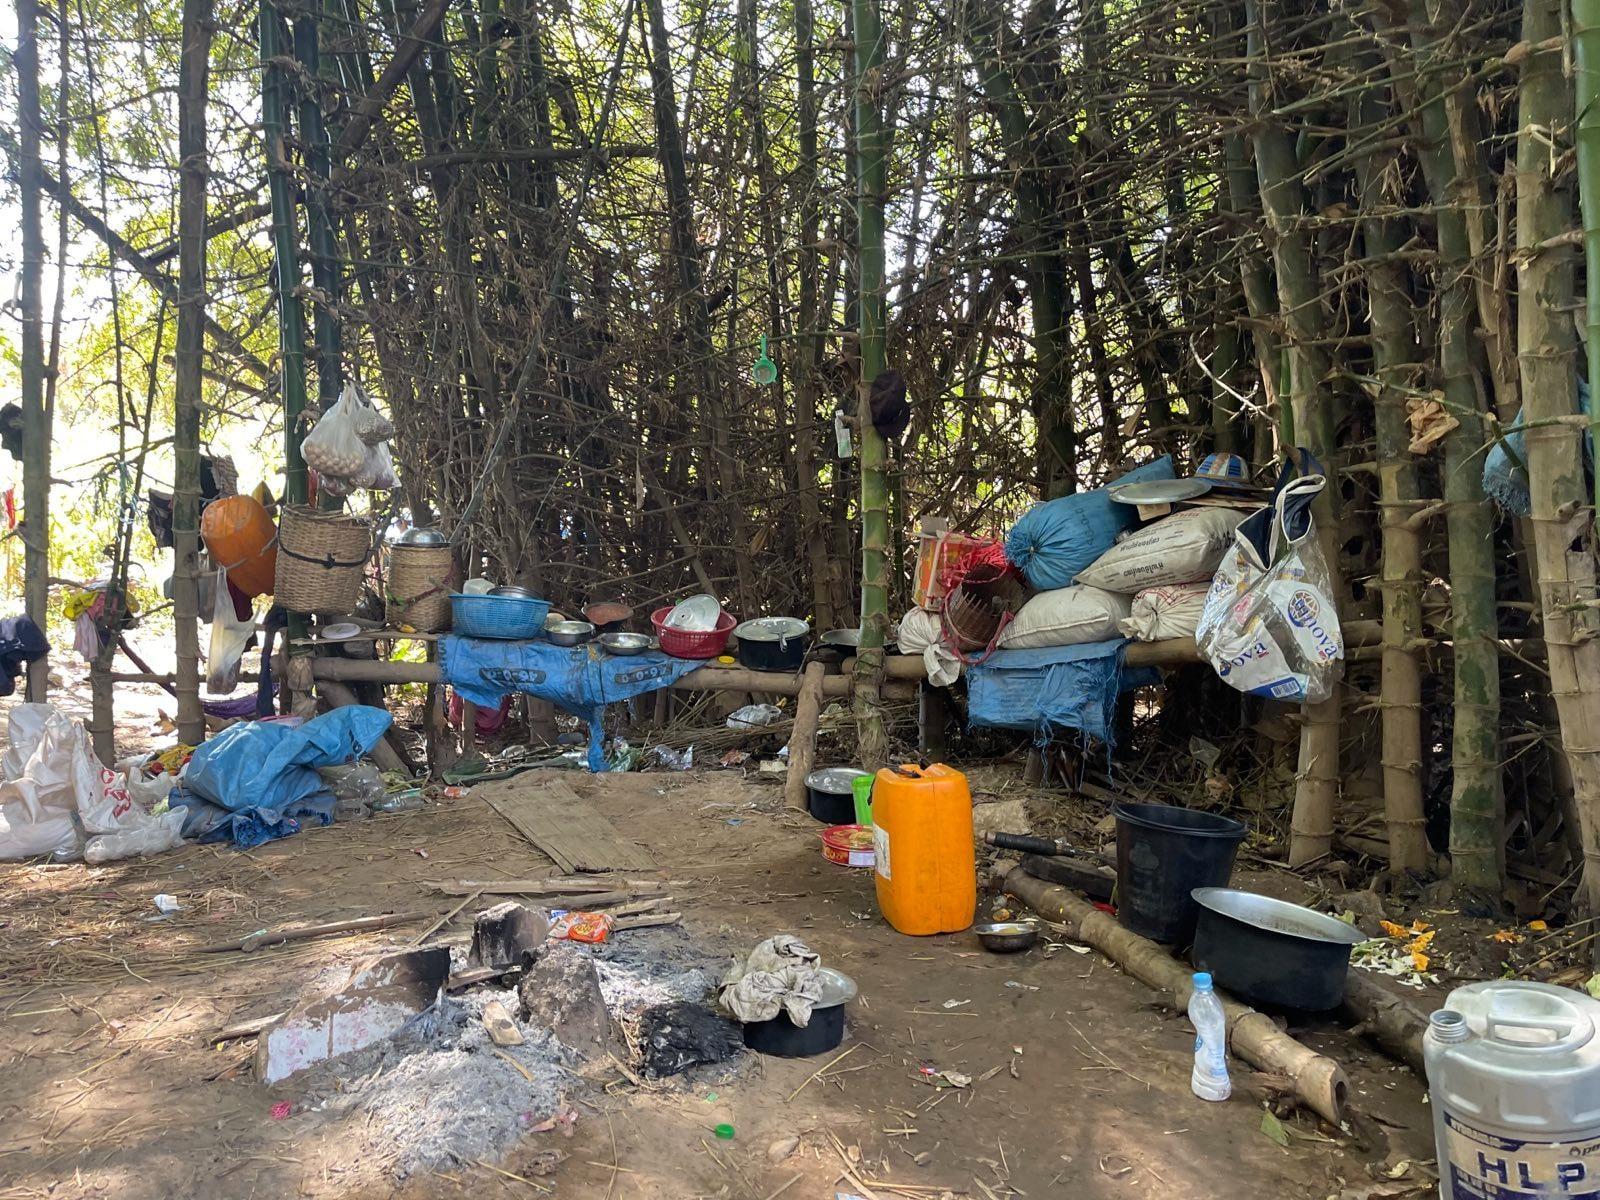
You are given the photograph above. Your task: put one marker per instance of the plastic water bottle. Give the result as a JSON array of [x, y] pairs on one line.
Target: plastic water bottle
[[1210, 1078]]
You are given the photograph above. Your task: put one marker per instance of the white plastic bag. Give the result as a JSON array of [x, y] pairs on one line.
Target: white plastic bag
[[229, 636], [334, 448], [377, 470], [371, 426], [1272, 628]]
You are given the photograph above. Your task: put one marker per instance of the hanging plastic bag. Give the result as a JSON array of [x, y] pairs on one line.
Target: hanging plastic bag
[[334, 447], [371, 426], [1270, 626], [377, 470], [229, 636]]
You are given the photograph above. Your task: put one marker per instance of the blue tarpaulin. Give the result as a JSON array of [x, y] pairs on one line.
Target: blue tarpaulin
[[1505, 467], [255, 780], [1054, 688], [581, 679]]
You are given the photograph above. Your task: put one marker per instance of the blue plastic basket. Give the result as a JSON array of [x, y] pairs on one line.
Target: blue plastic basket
[[509, 618]]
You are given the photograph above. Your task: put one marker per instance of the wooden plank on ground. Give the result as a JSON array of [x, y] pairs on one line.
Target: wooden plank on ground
[[563, 825]]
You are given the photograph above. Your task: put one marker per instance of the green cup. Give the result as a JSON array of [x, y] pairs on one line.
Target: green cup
[[861, 785]]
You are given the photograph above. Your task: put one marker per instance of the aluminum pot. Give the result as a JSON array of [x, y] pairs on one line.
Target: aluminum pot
[[773, 643], [569, 633], [1271, 951]]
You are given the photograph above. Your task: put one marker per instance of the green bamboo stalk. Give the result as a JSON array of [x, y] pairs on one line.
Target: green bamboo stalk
[[188, 360], [1586, 81], [1476, 800], [319, 219], [872, 185], [1307, 419], [35, 529], [1397, 370], [1562, 509], [275, 91]]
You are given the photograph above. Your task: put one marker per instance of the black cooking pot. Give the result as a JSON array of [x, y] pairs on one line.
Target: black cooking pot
[[782, 1037], [1271, 951], [831, 796], [772, 643]]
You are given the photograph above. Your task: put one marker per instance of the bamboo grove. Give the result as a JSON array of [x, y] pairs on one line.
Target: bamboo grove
[[550, 234]]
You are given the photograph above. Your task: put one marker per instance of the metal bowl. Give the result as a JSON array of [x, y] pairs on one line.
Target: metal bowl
[[1007, 937], [508, 589], [570, 633], [420, 536], [626, 644]]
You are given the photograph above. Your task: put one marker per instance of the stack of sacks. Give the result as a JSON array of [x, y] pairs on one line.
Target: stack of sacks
[[1166, 567], [1066, 617]]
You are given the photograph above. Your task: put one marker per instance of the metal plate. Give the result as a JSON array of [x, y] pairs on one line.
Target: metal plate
[[1159, 491]]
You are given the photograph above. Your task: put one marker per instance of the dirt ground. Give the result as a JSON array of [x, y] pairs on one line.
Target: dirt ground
[[111, 1085]]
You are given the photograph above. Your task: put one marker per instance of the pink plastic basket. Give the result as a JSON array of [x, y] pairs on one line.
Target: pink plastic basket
[[681, 643]]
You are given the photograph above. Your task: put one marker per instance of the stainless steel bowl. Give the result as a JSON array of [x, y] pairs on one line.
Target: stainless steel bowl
[[1007, 937], [420, 536], [520, 593], [627, 644], [570, 633]]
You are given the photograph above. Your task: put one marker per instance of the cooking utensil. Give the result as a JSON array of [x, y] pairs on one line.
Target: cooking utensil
[[831, 795], [508, 618], [1006, 937], [764, 371], [623, 643], [569, 633], [339, 632], [607, 615], [773, 643], [1159, 491], [419, 535], [511, 589], [783, 1038], [697, 614], [1271, 951]]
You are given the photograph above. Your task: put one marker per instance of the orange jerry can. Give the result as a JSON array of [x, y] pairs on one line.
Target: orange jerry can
[[922, 835], [242, 538]]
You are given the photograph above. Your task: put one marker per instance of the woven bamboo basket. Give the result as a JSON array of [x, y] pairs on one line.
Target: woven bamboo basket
[[419, 587], [321, 557]]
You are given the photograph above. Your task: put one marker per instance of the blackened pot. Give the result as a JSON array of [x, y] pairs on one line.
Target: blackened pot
[[830, 794], [783, 1038], [772, 643], [1272, 952]]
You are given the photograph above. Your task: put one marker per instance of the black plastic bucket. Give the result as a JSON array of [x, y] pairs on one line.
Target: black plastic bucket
[[1163, 854]]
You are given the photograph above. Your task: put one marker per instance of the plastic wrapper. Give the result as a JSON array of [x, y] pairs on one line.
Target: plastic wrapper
[[590, 927]]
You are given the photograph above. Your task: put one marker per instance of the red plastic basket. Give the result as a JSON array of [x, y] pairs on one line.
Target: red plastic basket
[[682, 643]]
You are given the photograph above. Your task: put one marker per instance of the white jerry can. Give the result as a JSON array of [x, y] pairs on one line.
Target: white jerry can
[[1514, 1080]]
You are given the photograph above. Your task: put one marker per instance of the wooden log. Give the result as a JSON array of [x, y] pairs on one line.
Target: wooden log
[[1319, 1082], [1387, 1019], [803, 738]]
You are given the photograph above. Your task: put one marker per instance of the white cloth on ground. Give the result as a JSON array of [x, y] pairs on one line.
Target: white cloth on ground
[[779, 975]]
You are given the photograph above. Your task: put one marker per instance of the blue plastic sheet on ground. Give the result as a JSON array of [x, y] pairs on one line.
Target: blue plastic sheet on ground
[[261, 776], [581, 679], [1054, 688], [1505, 467], [1059, 538]]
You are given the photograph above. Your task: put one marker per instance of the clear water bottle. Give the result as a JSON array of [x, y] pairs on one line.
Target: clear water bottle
[[1210, 1078]]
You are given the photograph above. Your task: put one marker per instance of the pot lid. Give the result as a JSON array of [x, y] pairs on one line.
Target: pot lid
[[839, 780], [419, 535], [770, 629], [697, 614], [837, 988], [1159, 491]]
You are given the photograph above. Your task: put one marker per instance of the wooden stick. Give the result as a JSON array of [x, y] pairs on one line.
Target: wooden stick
[[1319, 1082], [274, 937], [646, 921], [803, 738], [444, 920]]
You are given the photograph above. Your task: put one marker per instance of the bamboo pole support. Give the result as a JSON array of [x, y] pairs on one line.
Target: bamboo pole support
[[1319, 1082], [803, 738]]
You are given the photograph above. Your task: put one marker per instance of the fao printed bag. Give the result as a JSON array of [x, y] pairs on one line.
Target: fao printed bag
[[1270, 625]]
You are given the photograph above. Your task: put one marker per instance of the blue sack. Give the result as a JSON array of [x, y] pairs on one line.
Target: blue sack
[[1054, 688], [1505, 467], [272, 765], [1058, 538]]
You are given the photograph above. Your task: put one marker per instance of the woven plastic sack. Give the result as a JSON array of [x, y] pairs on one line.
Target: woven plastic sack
[[1181, 548], [1270, 626], [1169, 611], [1066, 617], [1056, 540]]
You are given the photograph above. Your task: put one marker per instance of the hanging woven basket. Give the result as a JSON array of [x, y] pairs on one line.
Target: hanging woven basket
[[321, 557], [419, 587]]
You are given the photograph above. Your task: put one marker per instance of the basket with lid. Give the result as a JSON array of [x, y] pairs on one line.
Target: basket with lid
[[419, 587]]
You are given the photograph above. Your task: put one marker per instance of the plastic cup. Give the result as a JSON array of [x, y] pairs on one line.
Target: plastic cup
[[861, 785]]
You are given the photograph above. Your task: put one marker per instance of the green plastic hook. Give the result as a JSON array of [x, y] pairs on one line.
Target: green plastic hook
[[764, 371]]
